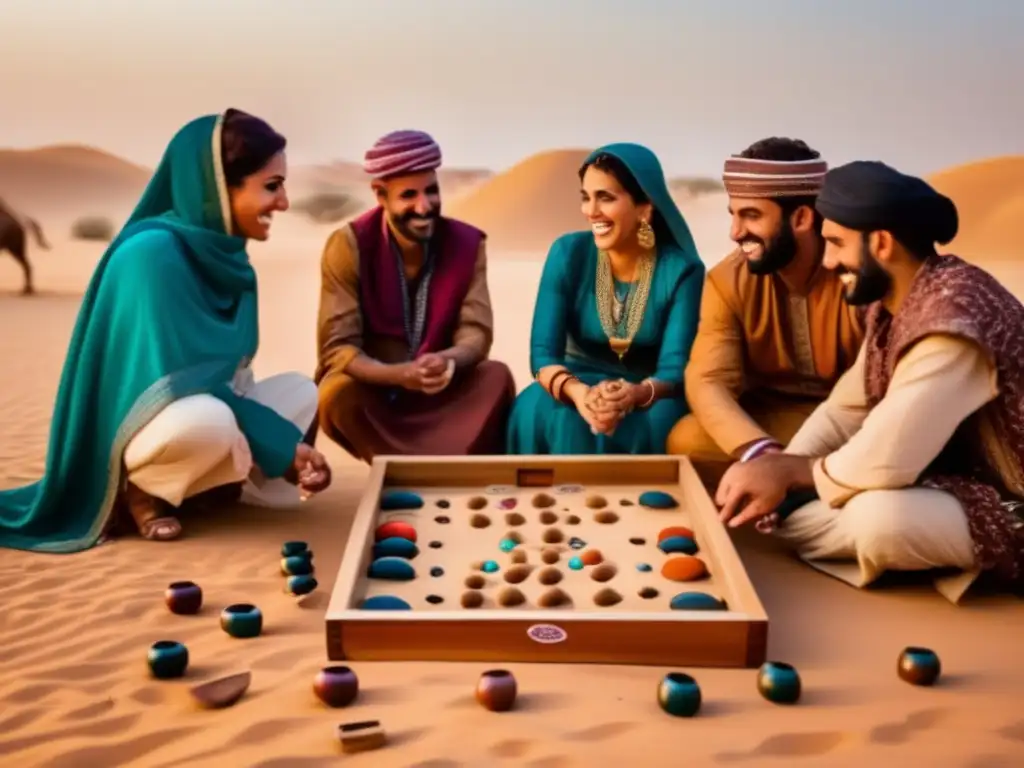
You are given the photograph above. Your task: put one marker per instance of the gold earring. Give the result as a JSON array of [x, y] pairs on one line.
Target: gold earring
[[645, 235]]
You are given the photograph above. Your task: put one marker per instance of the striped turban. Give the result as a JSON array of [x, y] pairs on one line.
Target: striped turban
[[400, 153], [749, 177]]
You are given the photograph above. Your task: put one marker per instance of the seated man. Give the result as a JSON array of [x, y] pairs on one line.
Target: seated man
[[774, 333], [915, 462], [405, 322]]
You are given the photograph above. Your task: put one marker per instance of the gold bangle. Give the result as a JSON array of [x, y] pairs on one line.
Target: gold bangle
[[650, 401]]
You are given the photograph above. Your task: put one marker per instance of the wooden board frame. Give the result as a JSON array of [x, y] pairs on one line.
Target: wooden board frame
[[736, 637]]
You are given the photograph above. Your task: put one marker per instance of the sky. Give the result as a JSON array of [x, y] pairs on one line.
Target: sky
[[921, 84]]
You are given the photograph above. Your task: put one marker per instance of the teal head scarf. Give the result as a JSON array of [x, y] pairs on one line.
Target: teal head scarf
[[170, 311], [646, 169]]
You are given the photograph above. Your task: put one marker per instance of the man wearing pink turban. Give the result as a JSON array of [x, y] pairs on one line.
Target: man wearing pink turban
[[405, 322]]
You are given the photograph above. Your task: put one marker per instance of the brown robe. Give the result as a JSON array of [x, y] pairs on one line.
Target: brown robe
[[983, 465], [763, 359], [468, 417]]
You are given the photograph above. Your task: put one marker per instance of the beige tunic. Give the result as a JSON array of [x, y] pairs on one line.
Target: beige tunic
[[868, 460]]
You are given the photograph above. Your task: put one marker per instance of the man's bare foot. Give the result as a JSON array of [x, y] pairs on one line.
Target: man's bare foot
[[150, 515]]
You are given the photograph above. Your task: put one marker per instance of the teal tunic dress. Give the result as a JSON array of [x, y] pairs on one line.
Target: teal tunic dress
[[567, 331]]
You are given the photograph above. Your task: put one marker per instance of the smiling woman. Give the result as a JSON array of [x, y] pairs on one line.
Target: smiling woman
[[615, 318], [254, 171], [156, 401]]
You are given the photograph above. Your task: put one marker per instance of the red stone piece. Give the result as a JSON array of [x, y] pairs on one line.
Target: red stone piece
[[396, 529]]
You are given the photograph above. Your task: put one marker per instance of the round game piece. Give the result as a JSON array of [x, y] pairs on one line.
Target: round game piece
[[506, 545], [391, 568], [184, 598], [167, 659], [490, 566], [643, 567], [507, 504], [778, 682], [592, 557], [434, 599], [242, 620], [435, 545], [395, 546], [296, 565], [575, 563], [684, 568], [657, 500], [675, 530], [696, 601], [392, 500], [395, 528], [577, 543], [919, 666], [679, 695], [385, 603], [290, 548], [437, 571], [300, 585], [678, 545], [442, 519], [336, 686], [496, 690]]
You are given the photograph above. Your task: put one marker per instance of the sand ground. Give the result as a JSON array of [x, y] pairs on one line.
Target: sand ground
[[74, 630]]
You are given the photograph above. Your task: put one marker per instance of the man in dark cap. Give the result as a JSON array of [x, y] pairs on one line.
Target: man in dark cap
[[916, 460]]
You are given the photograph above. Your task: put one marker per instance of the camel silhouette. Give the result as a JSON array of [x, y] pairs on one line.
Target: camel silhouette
[[14, 238]]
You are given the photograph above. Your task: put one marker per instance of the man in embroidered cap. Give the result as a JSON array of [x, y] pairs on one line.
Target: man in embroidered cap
[[915, 462], [775, 334], [405, 323]]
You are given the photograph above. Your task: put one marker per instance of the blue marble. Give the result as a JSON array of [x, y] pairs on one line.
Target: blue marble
[[395, 546], [575, 563], [679, 695], [385, 603], [392, 500], [296, 565], [167, 659], [683, 544], [657, 500], [301, 585], [392, 568], [506, 545], [489, 567], [696, 601], [290, 548], [779, 682], [643, 567]]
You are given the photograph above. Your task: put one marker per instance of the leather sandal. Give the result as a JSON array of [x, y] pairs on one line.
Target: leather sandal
[[149, 514]]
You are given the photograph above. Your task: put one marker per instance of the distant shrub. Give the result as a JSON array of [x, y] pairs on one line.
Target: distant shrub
[[93, 228], [327, 207], [697, 185]]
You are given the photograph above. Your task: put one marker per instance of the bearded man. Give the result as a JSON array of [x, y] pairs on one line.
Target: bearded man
[[915, 462], [774, 334], [405, 322]]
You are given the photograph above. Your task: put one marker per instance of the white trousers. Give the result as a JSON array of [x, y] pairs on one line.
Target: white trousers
[[195, 444], [910, 529]]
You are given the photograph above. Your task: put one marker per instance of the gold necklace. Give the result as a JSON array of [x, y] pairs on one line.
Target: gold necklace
[[637, 302]]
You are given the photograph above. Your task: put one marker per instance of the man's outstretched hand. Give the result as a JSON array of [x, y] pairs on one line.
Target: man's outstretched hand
[[309, 471], [752, 490]]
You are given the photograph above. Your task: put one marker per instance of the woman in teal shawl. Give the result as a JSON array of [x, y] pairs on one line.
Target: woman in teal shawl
[[615, 318], [169, 313]]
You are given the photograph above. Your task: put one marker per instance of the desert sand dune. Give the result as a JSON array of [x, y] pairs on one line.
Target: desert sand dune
[[530, 204], [74, 630], [989, 195]]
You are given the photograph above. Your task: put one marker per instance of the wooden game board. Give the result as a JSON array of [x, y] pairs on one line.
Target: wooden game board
[[633, 631]]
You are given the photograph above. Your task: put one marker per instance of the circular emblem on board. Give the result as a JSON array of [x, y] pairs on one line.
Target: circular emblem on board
[[546, 633]]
